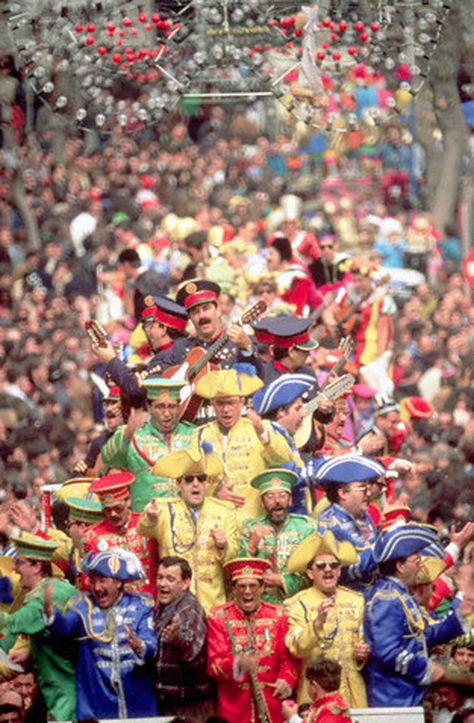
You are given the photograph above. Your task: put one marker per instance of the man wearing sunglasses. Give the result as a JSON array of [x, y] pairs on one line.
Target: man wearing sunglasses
[[200, 529], [329, 269], [326, 619], [346, 480]]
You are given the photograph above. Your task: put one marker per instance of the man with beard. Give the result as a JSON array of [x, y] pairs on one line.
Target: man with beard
[[119, 527], [346, 480], [182, 684], [327, 618], [247, 656], [116, 641], [274, 535], [137, 446]]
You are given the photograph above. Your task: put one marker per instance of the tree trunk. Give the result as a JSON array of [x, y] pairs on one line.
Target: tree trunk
[[446, 102]]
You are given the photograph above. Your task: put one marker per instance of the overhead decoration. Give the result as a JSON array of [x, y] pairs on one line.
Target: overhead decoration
[[113, 62]]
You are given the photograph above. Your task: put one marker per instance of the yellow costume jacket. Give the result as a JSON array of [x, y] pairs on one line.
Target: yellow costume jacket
[[343, 628], [244, 456], [178, 533]]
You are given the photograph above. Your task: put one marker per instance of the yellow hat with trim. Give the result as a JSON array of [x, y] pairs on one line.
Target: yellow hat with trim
[[316, 544], [76, 487], [240, 381], [187, 461]]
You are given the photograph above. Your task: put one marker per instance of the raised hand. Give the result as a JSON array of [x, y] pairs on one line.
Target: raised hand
[[323, 611], [152, 512], [170, 632]]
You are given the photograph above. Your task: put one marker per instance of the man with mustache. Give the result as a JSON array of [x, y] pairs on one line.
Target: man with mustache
[[199, 298], [274, 535], [327, 618]]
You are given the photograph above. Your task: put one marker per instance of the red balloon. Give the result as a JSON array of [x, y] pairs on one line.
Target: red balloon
[[326, 23], [148, 26], [320, 55], [134, 31], [102, 50], [342, 26], [142, 18], [364, 37], [287, 22], [111, 27], [121, 33], [325, 45], [116, 58], [352, 51], [90, 40], [127, 22], [79, 28], [374, 27], [91, 28], [336, 56], [155, 18], [334, 37], [359, 26]]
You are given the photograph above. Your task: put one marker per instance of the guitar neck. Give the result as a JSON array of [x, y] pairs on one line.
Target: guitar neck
[[212, 351]]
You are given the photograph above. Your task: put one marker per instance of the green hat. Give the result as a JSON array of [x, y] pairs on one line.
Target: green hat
[[159, 388], [84, 510], [34, 548], [276, 478]]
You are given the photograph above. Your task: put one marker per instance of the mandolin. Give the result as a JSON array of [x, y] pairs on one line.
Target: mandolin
[[334, 390]]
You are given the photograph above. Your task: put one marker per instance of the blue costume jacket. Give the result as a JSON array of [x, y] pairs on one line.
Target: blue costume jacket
[[111, 680], [362, 534], [399, 636]]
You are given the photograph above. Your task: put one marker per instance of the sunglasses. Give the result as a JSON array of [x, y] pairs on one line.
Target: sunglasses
[[188, 478], [322, 565]]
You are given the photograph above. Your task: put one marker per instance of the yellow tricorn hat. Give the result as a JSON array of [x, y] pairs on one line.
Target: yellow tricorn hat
[[316, 544], [240, 381], [187, 461], [431, 568]]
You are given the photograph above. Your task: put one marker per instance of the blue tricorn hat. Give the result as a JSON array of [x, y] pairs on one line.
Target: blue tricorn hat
[[347, 468], [281, 391], [116, 563], [407, 540]]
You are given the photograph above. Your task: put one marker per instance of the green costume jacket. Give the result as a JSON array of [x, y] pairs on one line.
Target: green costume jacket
[[277, 546], [139, 454], [54, 666]]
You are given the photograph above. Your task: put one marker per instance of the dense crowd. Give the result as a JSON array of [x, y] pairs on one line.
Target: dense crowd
[[280, 530]]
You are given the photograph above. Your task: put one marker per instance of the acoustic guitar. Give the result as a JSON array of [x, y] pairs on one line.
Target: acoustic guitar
[[348, 318]]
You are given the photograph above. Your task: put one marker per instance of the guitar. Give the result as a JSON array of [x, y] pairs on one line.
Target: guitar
[[198, 363], [334, 390], [347, 318]]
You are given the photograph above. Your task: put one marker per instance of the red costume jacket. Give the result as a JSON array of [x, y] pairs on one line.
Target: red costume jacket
[[102, 536], [230, 632]]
